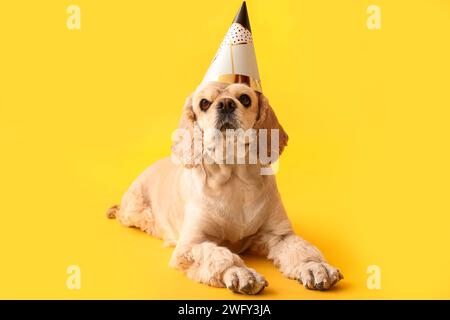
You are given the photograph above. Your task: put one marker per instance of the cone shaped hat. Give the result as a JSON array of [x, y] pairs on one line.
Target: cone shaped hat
[[235, 61]]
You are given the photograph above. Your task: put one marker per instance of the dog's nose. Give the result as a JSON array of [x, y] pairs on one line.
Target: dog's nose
[[226, 105]]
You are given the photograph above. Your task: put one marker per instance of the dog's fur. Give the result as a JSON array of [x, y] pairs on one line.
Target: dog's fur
[[213, 212]]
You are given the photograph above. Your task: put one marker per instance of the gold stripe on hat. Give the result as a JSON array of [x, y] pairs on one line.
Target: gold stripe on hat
[[240, 78], [232, 58]]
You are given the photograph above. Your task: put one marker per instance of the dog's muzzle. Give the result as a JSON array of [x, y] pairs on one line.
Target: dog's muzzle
[[225, 114], [226, 122], [226, 106]]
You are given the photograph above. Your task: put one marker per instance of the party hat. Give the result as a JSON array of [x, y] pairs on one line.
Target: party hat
[[235, 61]]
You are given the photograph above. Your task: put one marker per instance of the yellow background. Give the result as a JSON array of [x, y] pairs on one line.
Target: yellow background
[[83, 112]]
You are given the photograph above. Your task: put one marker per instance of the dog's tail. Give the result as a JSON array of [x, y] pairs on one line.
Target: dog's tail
[[112, 212]]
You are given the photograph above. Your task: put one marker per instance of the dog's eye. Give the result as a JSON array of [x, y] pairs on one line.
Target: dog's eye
[[245, 100], [204, 104]]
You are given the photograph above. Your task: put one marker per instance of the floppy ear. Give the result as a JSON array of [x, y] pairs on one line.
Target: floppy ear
[[184, 149], [268, 120]]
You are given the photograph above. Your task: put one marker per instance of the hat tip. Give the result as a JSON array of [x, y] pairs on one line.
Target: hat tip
[[242, 17]]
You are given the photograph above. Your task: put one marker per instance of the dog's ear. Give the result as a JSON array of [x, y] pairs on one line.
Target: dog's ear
[[183, 147], [268, 120]]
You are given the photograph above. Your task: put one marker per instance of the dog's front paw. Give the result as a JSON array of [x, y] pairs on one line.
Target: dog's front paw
[[244, 280], [318, 275]]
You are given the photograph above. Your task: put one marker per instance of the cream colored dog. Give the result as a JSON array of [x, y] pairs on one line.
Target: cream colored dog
[[213, 211]]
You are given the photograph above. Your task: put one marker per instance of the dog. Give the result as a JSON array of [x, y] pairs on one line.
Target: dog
[[212, 211]]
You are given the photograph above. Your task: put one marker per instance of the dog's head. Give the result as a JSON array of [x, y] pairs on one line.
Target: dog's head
[[222, 106]]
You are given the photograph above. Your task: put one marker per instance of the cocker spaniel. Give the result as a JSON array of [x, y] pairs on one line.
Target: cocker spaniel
[[213, 208]]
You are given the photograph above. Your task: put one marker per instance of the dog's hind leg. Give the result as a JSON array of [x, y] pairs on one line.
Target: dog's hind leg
[[111, 213], [134, 211]]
